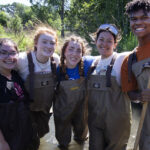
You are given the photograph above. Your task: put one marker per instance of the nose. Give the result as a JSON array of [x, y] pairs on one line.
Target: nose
[[138, 21], [104, 43], [9, 56]]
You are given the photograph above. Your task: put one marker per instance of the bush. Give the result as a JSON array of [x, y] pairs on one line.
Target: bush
[[15, 25], [128, 43], [1, 29]]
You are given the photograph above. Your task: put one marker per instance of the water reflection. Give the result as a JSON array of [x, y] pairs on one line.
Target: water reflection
[[48, 142]]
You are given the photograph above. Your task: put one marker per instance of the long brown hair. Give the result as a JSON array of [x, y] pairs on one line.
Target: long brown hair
[[62, 58]]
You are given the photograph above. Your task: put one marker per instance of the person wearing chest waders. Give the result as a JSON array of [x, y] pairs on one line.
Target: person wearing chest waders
[[38, 69], [69, 106], [16, 131], [108, 108], [135, 70]]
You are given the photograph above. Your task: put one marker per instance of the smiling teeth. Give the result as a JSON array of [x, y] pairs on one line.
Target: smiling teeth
[[139, 29]]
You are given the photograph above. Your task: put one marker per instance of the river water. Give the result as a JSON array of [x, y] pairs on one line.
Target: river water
[[48, 142]]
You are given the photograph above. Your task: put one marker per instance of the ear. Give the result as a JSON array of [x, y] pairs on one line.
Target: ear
[[115, 45]]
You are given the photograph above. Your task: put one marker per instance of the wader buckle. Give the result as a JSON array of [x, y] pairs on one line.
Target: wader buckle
[[43, 83], [96, 85]]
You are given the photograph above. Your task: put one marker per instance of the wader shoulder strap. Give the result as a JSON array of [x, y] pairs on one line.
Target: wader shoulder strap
[[92, 68], [53, 66], [31, 74], [109, 70], [132, 59]]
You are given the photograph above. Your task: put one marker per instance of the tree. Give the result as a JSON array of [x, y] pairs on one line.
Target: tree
[[85, 16], [4, 18], [15, 24], [22, 11], [45, 8]]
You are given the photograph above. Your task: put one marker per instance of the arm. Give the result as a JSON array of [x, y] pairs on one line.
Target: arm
[[3, 144], [135, 95], [143, 96], [126, 84], [56, 58]]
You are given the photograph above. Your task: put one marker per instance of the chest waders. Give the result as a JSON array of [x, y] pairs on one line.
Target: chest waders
[[141, 70], [41, 89], [15, 125], [69, 109], [109, 113]]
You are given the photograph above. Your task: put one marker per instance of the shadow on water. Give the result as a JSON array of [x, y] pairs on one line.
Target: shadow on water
[[136, 112], [48, 142]]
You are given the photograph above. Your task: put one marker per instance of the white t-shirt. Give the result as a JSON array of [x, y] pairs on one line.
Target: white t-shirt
[[22, 64], [103, 63]]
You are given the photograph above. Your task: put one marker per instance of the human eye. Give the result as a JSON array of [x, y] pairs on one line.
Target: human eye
[[101, 39], [70, 49], [44, 42], [110, 41], [52, 43], [144, 18], [79, 51], [3, 52], [133, 19]]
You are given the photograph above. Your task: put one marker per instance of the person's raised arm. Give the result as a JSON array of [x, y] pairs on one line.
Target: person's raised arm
[[3, 144]]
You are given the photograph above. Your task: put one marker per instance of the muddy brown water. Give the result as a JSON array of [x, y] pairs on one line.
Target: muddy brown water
[[49, 142]]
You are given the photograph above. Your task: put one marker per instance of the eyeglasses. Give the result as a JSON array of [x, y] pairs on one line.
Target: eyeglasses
[[5, 54], [108, 27]]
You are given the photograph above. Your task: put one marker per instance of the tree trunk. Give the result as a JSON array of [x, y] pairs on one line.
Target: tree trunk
[[62, 19]]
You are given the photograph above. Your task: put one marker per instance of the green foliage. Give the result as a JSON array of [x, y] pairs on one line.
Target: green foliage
[[81, 17], [23, 40], [15, 24], [3, 18], [128, 43], [29, 24], [22, 11], [1, 29]]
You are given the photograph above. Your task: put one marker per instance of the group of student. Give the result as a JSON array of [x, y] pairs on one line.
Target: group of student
[[88, 94]]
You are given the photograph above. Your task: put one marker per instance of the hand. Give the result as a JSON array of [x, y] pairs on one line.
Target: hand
[[145, 95], [4, 145]]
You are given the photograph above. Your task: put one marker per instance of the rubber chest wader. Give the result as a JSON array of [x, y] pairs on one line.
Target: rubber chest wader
[[69, 109], [41, 89], [141, 71], [15, 125], [109, 113]]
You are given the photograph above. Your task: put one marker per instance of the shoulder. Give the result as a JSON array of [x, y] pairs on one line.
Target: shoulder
[[22, 55], [88, 60], [56, 58], [22, 60], [121, 57]]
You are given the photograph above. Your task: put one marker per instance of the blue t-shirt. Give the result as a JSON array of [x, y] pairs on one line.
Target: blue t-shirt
[[74, 73]]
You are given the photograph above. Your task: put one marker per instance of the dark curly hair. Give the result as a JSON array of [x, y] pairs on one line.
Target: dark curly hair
[[137, 5], [117, 37], [7, 40]]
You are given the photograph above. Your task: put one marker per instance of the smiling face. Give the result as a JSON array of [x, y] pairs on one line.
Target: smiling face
[[105, 44], [73, 54], [140, 24], [46, 45], [8, 56]]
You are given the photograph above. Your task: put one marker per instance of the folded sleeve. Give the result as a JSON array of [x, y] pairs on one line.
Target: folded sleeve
[[125, 83]]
